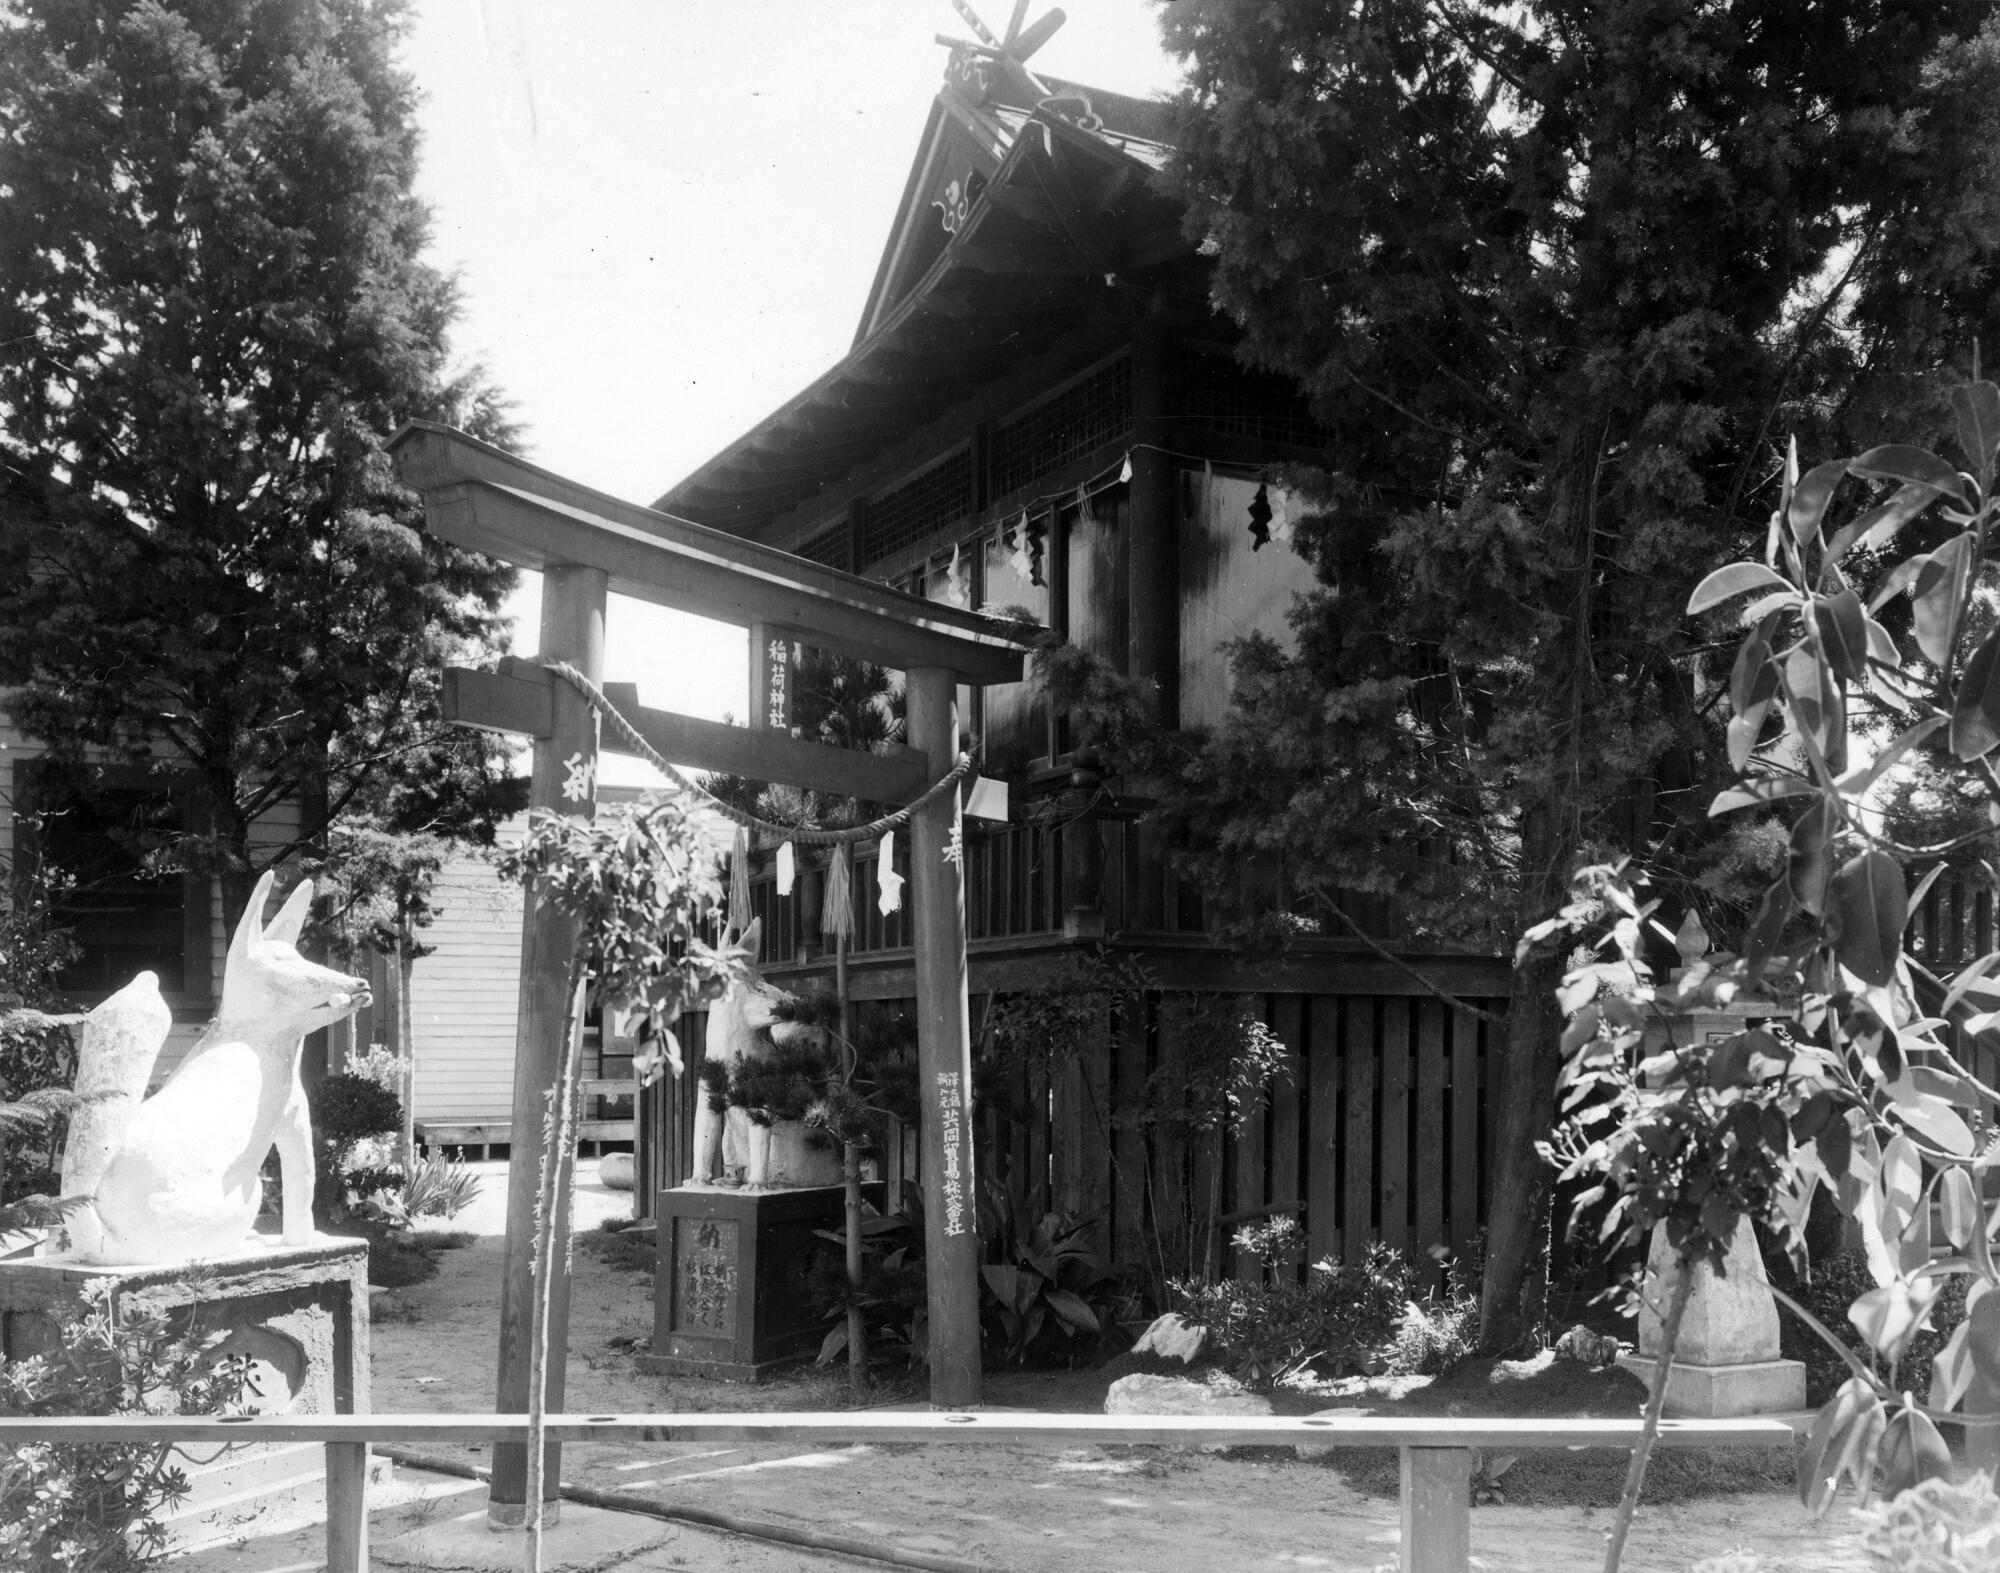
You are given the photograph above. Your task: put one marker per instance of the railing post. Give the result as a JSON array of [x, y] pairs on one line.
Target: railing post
[[1437, 1510], [347, 1507], [1082, 901]]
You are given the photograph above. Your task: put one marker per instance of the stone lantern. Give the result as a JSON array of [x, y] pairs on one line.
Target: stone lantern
[[1726, 1361]]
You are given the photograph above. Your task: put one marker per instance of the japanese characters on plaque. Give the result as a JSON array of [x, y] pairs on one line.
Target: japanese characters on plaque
[[951, 1107], [778, 695]]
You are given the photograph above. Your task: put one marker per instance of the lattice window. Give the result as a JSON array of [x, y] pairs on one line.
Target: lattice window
[[829, 547], [1214, 393], [1082, 417], [924, 504]]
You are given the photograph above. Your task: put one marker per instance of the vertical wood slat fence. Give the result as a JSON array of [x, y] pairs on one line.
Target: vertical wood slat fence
[[1374, 1129]]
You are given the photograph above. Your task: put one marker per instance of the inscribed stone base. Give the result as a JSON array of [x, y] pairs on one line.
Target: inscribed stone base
[[1720, 1392], [299, 1313], [729, 1296]]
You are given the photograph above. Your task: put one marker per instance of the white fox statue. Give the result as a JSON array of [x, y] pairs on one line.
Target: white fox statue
[[183, 1180], [772, 1156]]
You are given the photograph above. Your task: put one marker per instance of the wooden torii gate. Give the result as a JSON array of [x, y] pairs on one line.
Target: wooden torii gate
[[585, 545]]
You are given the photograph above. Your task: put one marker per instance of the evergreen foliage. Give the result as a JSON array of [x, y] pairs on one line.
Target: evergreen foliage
[[1554, 278], [213, 311]]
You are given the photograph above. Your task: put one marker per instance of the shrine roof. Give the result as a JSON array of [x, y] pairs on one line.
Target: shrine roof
[[1063, 224], [487, 500]]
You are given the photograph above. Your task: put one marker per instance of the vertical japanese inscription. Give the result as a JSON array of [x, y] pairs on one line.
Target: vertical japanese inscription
[[705, 1275], [778, 695], [951, 1109]]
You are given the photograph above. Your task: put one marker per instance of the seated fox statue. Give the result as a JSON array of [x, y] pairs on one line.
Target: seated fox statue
[[178, 1176], [772, 1155]]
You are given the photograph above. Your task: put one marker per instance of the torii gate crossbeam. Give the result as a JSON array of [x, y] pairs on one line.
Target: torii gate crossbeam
[[586, 545]]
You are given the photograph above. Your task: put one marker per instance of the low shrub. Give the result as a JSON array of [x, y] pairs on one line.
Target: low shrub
[[617, 1244], [345, 1111], [437, 1187], [1435, 1336], [67, 1508], [1343, 1316], [398, 1258], [1838, 1280]]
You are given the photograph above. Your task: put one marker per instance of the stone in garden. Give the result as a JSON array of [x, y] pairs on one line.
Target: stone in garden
[[1141, 1394], [615, 1171], [184, 1179], [1726, 1361], [1338, 1412], [1172, 1338]]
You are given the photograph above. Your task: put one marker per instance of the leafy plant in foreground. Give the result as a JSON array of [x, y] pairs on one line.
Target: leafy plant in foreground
[[66, 1508], [1850, 1083]]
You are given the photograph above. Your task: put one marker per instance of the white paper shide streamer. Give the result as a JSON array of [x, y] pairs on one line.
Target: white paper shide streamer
[[888, 883]]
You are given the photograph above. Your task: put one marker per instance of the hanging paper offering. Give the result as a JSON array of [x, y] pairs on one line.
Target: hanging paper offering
[[888, 883], [739, 880], [1022, 558], [837, 911], [1125, 469], [787, 868], [1260, 519]]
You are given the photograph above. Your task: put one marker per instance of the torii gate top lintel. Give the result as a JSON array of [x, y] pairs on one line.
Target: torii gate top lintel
[[487, 500]]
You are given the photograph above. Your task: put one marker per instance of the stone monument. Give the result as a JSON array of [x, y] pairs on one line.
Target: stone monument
[[174, 1184], [1726, 1360]]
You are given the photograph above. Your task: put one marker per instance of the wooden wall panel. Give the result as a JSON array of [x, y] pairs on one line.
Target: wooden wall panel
[[1357, 1018], [1288, 1090], [1128, 1089], [1392, 1178], [1248, 1187], [1465, 1118], [1323, 1069], [1430, 1155]]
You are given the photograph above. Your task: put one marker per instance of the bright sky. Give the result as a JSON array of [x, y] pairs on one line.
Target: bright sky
[[666, 214]]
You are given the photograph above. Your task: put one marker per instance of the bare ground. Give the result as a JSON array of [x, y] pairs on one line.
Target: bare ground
[[1115, 1509]]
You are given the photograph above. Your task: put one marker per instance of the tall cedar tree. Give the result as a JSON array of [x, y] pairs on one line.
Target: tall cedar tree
[[1558, 278], [212, 313]]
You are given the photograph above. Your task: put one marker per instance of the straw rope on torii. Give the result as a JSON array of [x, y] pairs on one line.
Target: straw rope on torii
[[837, 915]]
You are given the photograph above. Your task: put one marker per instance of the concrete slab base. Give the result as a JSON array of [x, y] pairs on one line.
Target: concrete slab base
[[585, 1540], [1719, 1392]]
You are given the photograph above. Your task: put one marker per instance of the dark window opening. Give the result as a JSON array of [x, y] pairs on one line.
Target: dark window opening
[[121, 895]]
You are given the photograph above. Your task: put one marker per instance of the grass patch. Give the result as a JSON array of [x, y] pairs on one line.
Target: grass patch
[[618, 1244], [398, 1258]]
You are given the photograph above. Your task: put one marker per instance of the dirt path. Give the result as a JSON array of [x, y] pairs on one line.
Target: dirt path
[[1115, 1510]]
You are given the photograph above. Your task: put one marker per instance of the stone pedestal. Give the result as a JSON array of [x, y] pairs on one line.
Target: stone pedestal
[[729, 1296], [300, 1313], [1726, 1360]]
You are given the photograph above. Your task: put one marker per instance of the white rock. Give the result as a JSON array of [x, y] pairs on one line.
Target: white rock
[[1172, 1338], [1321, 1449], [1176, 1395], [615, 1171]]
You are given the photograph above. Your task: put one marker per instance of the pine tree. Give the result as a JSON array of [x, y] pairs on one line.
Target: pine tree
[[1559, 278], [213, 311]]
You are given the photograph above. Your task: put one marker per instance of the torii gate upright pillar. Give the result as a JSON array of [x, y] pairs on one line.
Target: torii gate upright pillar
[[944, 1053], [565, 779]]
